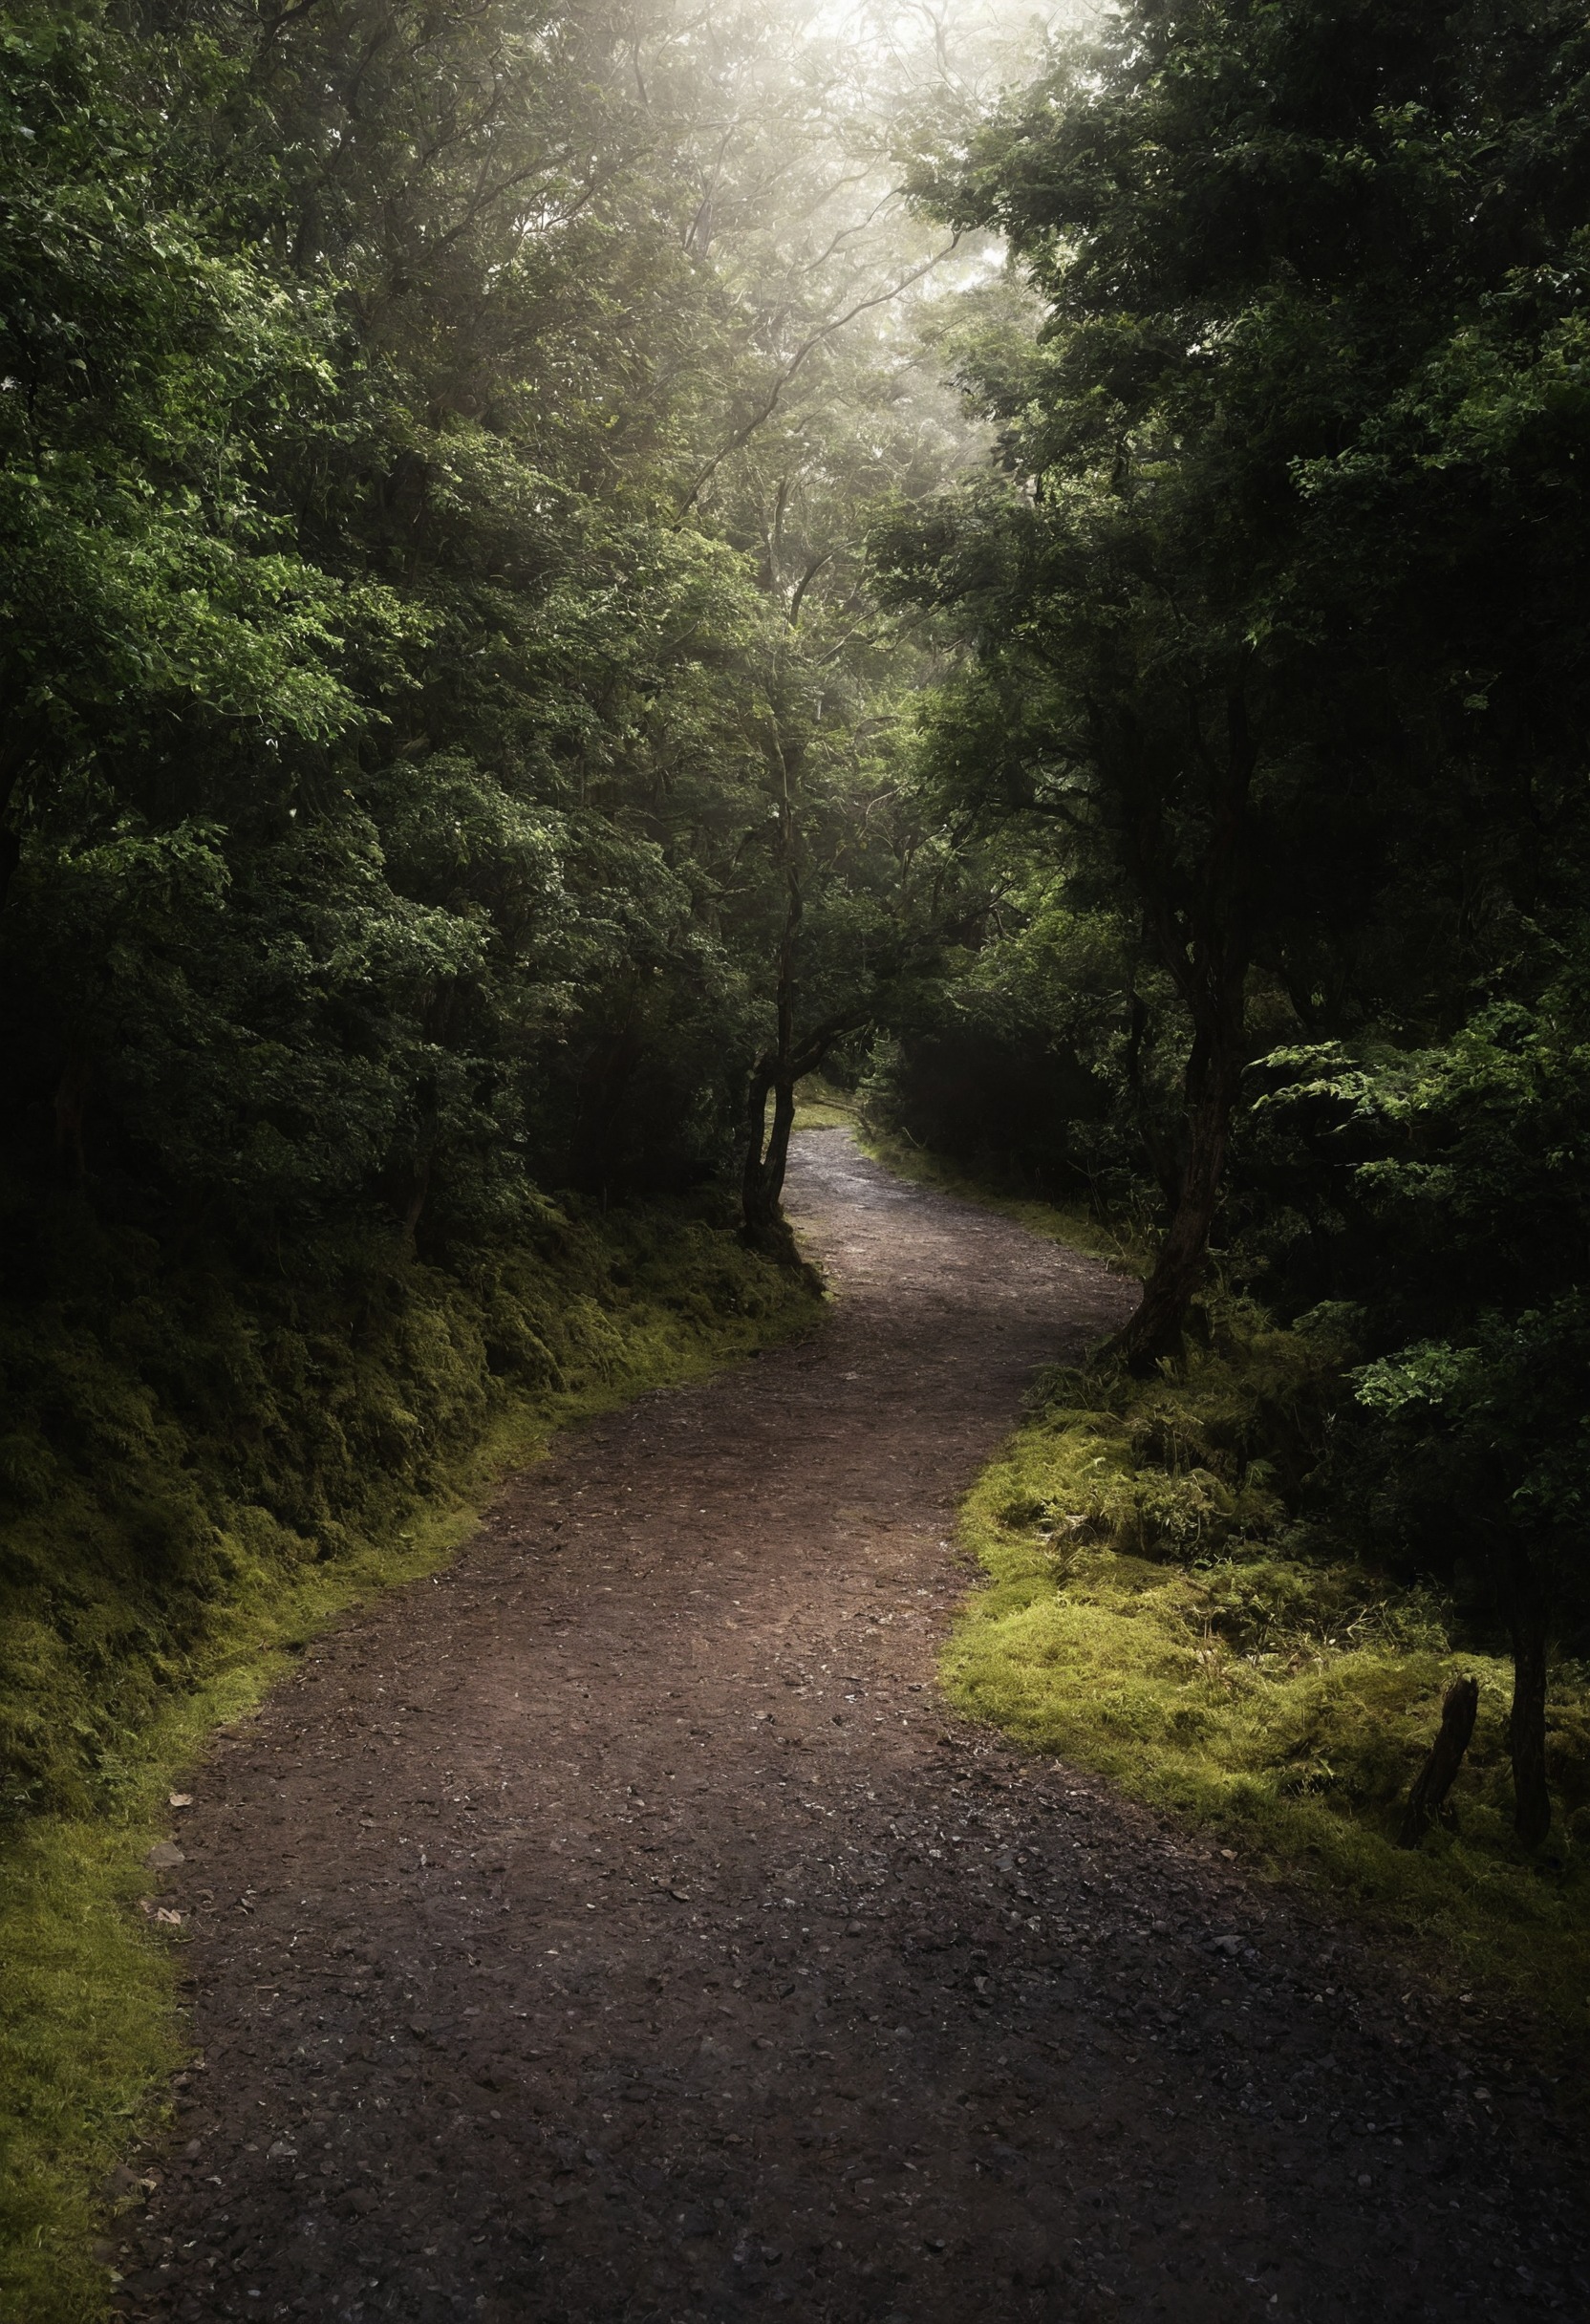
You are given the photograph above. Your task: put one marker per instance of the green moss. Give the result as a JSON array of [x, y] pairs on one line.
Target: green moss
[[202, 1475], [1153, 1613]]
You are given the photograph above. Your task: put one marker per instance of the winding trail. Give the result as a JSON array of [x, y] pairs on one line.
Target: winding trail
[[617, 1928]]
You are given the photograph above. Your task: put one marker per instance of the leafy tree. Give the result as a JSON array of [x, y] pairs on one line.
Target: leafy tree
[[1270, 625], [1462, 1170], [1193, 652], [432, 457]]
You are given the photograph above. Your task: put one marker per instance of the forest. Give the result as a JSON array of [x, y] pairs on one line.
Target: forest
[[454, 763], [586, 588]]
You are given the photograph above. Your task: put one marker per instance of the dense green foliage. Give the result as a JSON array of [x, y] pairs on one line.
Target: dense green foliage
[[389, 715], [450, 768], [513, 655], [1268, 695]]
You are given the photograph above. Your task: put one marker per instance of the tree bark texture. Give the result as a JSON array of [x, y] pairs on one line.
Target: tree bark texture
[[1459, 1709], [1154, 1331], [776, 1074], [767, 1153], [794, 1053], [1200, 924]]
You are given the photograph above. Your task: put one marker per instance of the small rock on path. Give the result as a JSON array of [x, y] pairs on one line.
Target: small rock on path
[[616, 1926]]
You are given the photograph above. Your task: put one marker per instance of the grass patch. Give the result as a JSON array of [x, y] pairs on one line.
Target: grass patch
[[226, 1474], [1155, 1613]]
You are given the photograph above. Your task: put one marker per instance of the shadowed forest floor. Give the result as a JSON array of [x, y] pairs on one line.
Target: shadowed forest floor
[[617, 1928]]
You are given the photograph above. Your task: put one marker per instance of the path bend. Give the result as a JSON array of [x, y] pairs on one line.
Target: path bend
[[615, 1927]]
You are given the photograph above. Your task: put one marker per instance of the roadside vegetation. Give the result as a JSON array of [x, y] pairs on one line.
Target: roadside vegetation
[[1173, 1601], [1182, 1594], [217, 1486], [1263, 696], [568, 575]]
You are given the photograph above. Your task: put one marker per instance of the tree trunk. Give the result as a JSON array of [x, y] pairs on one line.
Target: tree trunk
[[751, 1188], [1160, 1156], [1204, 940], [1214, 1078], [777, 1157], [1526, 1728], [406, 1181], [776, 1070], [778, 1074], [414, 1203], [766, 1155], [1458, 1711]]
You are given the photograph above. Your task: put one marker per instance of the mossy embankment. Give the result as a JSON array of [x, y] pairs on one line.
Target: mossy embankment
[[199, 1472], [1169, 1605]]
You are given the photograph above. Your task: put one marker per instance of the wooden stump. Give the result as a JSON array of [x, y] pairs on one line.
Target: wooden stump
[[1458, 1710]]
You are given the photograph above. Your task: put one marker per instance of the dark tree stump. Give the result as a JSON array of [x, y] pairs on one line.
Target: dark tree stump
[[1459, 1708]]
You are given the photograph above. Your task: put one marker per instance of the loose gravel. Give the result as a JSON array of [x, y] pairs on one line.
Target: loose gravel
[[618, 1927]]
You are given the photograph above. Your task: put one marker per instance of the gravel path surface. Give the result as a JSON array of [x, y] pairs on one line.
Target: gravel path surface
[[616, 1926]]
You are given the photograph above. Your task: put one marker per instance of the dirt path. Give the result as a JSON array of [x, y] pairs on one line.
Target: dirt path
[[615, 1927]]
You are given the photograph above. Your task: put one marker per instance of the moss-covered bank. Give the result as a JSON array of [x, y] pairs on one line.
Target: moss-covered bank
[[1158, 1610], [199, 1472]]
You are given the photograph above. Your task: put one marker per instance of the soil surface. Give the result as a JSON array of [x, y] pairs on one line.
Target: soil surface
[[617, 1927]]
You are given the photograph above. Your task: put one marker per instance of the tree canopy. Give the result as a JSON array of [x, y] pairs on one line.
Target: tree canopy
[[436, 444]]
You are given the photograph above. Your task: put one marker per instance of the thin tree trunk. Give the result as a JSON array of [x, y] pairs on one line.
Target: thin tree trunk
[[1161, 1157], [767, 1156], [1526, 1728], [408, 1172], [1214, 1078], [1204, 944], [777, 1159], [779, 1074], [756, 1210], [1459, 1709], [419, 1187], [776, 1070]]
